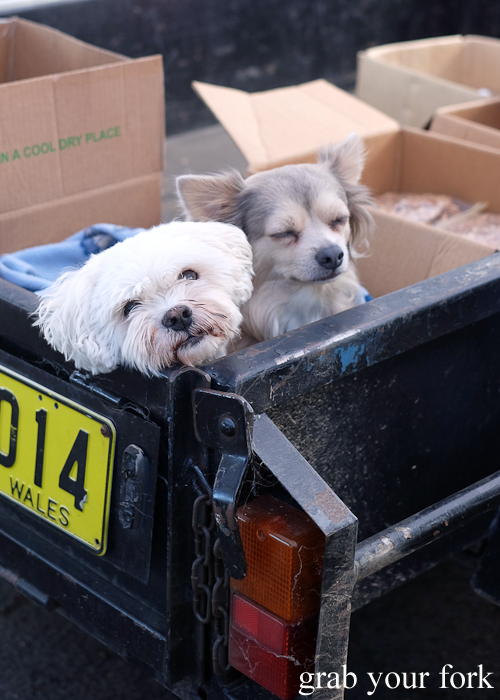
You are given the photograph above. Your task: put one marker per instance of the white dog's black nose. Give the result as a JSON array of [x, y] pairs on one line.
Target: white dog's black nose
[[178, 319], [330, 257]]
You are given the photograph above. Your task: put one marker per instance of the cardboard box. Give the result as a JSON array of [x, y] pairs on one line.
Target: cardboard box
[[81, 136], [410, 80], [288, 125], [478, 122]]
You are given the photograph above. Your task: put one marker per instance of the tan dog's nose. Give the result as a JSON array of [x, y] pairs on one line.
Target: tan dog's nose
[[179, 318], [330, 257]]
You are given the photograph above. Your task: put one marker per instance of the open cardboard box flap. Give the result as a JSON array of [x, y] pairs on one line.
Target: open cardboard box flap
[[29, 50], [288, 125]]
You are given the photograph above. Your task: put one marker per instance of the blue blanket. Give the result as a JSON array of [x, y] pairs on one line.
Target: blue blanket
[[36, 268]]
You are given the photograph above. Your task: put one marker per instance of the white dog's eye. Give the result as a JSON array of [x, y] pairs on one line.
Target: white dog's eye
[[188, 275], [129, 306]]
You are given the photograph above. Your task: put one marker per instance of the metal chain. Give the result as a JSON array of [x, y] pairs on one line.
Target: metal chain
[[220, 612], [209, 578], [202, 570]]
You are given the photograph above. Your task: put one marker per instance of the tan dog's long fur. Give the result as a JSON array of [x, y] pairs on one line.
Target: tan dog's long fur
[[303, 222]]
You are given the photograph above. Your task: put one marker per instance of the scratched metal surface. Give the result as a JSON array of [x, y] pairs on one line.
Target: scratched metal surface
[[396, 437], [278, 370]]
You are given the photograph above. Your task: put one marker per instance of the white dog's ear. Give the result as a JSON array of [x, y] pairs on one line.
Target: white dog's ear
[[210, 197], [70, 324], [346, 159]]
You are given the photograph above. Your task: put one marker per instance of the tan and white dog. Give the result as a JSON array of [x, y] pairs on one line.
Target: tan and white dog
[[170, 294], [303, 222]]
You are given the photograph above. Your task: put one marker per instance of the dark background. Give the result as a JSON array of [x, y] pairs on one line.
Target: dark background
[[258, 44]]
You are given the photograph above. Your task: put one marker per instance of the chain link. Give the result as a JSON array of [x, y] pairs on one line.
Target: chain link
[[209, 578], [202, 570], [220, 608]]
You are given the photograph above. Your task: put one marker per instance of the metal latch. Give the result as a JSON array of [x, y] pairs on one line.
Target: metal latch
[[224, 422]]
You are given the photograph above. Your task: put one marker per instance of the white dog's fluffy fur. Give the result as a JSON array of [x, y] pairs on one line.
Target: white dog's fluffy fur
[[170, 294], [302, 222]]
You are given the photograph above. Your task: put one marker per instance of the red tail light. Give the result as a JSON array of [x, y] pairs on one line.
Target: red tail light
[[270, 650], [274, 623]]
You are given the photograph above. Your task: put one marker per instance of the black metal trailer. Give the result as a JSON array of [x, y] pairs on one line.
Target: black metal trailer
[[381, 423]]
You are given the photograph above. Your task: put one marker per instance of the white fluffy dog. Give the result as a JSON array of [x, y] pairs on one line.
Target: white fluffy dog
[[170, 294], [303, 222]]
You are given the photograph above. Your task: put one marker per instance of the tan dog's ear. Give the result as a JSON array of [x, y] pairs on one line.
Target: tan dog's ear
[[346, 159], [210, 197], [361, 221]]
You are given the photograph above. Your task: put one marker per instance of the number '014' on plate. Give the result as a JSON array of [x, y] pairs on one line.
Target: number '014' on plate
[[56, 459]]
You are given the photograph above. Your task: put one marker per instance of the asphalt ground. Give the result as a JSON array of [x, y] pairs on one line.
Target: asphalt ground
[[420, 627]]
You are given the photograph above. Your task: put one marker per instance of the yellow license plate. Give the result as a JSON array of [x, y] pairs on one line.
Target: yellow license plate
[[56, 458]]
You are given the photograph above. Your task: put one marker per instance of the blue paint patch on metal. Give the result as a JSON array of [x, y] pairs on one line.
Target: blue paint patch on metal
[[350, 355]]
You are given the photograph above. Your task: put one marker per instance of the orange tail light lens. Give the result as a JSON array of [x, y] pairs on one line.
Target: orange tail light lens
[[284, 553]]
